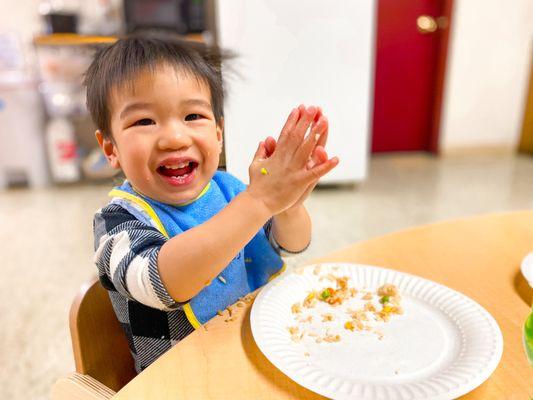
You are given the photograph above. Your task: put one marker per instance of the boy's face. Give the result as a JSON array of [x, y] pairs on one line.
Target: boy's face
[[165, 137]]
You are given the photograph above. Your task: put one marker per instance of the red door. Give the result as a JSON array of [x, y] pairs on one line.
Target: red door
[[410, 58]]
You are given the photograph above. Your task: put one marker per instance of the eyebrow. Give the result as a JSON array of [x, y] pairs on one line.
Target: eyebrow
[[141, 106], [133, 107], [198, 102]]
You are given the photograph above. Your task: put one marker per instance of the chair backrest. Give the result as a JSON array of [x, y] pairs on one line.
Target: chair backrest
[[98, 341]]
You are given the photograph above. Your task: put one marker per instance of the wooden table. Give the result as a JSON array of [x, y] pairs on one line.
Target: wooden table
[[478, 256]]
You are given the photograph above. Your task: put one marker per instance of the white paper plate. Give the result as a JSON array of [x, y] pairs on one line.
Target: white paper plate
[[443, 346], [527, 268]]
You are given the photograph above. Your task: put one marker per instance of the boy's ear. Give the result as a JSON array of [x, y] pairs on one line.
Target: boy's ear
[[108, 148], [220, 136]]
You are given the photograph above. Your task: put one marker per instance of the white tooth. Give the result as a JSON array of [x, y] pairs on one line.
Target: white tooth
[[181, 177], [182, 165]]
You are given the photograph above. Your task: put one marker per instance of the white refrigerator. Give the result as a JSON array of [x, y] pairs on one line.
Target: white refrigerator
[[313, 52]]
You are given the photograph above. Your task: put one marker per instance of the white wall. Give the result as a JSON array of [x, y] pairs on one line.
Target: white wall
[[311, 52], [488, 67]]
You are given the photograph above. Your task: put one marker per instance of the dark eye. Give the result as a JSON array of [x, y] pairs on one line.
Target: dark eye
[[192, 117], [144, 121]]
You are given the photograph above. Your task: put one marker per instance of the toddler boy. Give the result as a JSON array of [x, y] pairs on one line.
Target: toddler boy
[[179, 240]]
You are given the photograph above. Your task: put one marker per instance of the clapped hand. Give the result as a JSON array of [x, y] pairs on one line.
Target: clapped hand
[[284, 172]]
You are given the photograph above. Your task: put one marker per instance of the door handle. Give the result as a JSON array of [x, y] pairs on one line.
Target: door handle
[[427, 24]]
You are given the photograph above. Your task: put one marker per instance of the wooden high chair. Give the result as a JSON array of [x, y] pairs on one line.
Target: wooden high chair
[[101, 353]]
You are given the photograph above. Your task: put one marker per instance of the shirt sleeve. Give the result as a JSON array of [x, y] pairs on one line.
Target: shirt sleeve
[[274, 243], [126, 252]]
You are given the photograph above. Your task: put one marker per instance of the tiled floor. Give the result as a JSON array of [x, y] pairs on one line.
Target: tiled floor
[[46, 241]]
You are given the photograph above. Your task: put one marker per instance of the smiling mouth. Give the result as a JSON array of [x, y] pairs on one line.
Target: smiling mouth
[[177, 171]]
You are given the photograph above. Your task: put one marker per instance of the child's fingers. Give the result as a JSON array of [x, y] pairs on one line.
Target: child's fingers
[[306, 150], [270, 145], [318, 171], [318, 114], [319, 155], [303, 123], [292, 119], [260, 153], [324, 136]]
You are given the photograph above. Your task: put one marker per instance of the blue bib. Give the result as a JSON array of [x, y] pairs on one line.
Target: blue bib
[[251, 268]]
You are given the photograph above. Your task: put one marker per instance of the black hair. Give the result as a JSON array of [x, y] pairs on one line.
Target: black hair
[[117, 64]]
